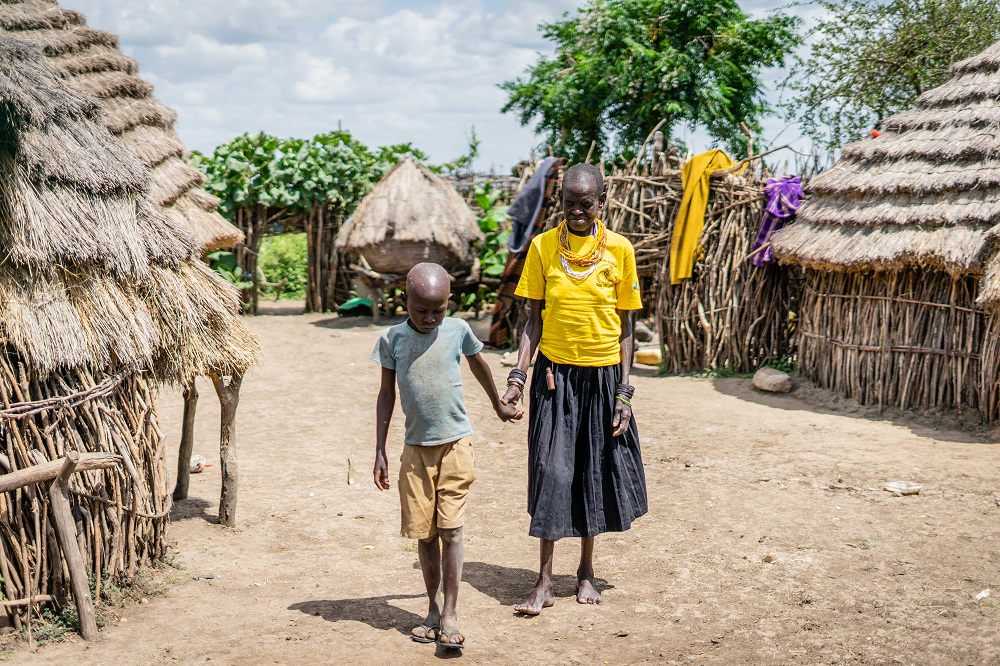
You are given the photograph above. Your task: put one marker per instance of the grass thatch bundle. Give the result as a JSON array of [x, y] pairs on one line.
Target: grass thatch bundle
[[411, 216], [893, 240], [93, 63], [102, 293]]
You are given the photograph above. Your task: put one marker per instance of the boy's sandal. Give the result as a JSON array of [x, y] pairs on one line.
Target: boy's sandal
[[448, 635], [425, 638]]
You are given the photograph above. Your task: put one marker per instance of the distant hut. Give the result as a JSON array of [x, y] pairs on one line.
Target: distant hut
[[102, 296], [411, 216], [92, 61], [892, 241]]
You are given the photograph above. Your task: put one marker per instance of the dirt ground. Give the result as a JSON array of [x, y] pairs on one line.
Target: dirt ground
[[769, 538]]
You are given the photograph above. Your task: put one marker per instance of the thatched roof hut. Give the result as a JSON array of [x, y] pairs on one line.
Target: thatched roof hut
[[102, 295], [411, 216], [92, 61], [893, 240]]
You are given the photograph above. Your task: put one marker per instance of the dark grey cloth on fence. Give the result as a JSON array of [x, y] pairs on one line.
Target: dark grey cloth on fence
[[525, 207], [582, 481]]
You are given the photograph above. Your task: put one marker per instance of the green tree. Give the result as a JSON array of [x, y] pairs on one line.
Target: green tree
[[869, 59], [621, 66]]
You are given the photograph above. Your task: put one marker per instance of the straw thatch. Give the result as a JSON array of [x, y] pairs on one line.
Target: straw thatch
[[894, 238], [924, 193], [411, 216], [92, 61], [102, 294]]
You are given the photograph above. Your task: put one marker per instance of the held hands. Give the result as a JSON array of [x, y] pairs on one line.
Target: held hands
[[508, 411], [381, 471]]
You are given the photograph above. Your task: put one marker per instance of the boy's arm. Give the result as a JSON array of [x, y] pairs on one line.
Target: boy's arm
[[383, 415], [481, 370]]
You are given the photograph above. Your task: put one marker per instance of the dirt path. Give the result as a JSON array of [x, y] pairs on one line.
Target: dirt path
[[768, 540]]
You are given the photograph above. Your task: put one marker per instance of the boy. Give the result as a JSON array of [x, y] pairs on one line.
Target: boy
[[436, 469]]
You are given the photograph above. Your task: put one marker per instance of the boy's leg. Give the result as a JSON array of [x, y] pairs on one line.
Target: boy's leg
[[417, 503], [455, 476], [452, 559], [541, 597], [429, 551], [586, 592]]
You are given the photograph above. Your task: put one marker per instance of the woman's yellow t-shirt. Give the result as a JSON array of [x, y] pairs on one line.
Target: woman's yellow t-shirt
[[580, 322]]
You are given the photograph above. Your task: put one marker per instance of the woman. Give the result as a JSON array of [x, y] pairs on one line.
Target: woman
[[585, 469]]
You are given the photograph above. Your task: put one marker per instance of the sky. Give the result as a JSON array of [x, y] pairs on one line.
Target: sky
[[424, 71]]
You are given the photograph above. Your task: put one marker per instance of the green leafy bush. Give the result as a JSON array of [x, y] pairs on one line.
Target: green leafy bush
[[284, 258], [223, 262], [493, 249]]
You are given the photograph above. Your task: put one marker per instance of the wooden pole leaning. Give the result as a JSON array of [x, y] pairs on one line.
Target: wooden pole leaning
[[59, 472]]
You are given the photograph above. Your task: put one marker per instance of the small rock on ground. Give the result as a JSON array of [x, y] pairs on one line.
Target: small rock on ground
[[772, 381]]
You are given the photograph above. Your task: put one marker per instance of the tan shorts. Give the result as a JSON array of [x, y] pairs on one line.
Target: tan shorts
[[433, 486]]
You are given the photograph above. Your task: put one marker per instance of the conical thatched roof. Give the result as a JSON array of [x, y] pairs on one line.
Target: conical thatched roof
[[91, 60], [412, 215], [94, 274], [924, 193]]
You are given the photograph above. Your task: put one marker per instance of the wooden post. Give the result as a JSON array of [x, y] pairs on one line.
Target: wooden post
[[187, 441], [62, 516], [229, 398]]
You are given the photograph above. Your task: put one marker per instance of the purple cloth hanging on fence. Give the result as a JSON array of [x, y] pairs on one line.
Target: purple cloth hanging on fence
[[784, 196]]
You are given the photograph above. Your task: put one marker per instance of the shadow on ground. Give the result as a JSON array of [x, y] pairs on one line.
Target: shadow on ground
[[376, 612], [192, 507], [356, 322], [511, 585], [946, 425]]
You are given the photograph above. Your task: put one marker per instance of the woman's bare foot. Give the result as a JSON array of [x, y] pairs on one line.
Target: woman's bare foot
[[586, 593], [541, 597], [450, 635]]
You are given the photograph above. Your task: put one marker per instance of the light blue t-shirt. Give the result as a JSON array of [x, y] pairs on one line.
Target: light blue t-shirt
[[429, 375]]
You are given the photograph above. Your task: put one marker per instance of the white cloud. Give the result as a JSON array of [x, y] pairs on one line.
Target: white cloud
[[391, 70]]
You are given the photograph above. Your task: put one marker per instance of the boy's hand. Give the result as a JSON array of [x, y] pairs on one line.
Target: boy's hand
[[381, 471], [509, 412]]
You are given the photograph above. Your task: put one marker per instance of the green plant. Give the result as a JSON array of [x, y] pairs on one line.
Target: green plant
[[224, 263], [622, 66], [493, 249], [786, 364], [285, 258]]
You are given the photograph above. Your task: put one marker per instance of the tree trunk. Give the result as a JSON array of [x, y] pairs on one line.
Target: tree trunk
[[187, 441], [229, 398]]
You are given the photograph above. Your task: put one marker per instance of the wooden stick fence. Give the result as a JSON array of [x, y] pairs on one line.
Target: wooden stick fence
[[117, 496]]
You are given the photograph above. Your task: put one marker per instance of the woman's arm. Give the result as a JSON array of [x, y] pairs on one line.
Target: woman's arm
[[623, 412], [526, 351]]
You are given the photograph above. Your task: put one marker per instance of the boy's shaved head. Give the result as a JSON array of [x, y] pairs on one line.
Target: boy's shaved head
[[429, 282]]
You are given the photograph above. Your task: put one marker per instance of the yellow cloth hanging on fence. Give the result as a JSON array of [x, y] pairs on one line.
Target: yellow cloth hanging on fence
[[684, 247]]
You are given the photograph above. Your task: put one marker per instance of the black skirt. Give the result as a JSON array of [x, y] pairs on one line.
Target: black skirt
[[582, 480]]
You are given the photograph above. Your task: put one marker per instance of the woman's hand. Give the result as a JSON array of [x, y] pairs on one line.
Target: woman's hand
[[623, 414], [512, 396]]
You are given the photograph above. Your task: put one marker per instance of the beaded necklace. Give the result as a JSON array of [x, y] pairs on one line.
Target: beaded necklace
[[590, 260]]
